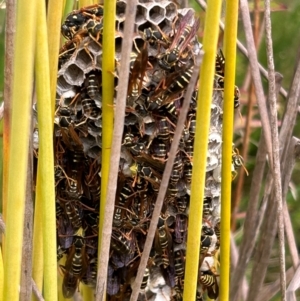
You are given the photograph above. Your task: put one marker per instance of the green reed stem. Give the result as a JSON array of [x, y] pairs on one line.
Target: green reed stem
[[46, 159], [18, 151], [228, 116], [54, 15], [108, 67], [205, 91]]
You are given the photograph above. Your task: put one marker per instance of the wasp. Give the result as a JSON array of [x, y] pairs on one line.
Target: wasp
[[92, 182], [207, 206], [89, 108], [194, 99], [177, 169], [159, 150], [75, 267], [189, 151], [113, 282], [122, 244], [181, 40], [171, 90], [145, 279], [208, 239], [93, 84], [179, 261], [65, 232], [237, 161], [220, 72], [69, 130], [156, 37], [95, 29], [73, 214], [182, 203], [180, 229], [90, 278], [172, 191], [123, 194], [192, 125], [75, 20], [163, 241], [60, 252], [74, 168], [187, 172], [137, 75], [150, 175], [209, 282]]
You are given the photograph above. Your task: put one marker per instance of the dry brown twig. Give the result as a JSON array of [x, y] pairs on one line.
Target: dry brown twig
[[270, 290], [234, 256], [276, 154], [26, 271], [294, 285], [116, 150]]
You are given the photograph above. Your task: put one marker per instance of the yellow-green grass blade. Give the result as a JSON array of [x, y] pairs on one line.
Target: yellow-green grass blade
[[83, 3], [54, 15], [230, 37], [37, 250], [108, 65], [18, 149], [68, 7], [207, 71], [46, 159]]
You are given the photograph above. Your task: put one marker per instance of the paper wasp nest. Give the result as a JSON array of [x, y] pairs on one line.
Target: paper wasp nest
[[162, 60]]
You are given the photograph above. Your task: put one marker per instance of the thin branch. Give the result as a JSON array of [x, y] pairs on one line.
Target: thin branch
[[270, 290], [234, 256], [292, 155], [116, 149], [289, 119], [293, 286], [165, 182], [36, 292], [263, 250], [251, 220], [256, 77], [276, 154], [26, 272], [243, 50]]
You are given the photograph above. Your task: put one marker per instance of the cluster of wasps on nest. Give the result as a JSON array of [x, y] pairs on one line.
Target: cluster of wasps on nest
[[162, 63]]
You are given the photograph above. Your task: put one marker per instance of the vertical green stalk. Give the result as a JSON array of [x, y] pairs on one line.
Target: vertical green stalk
[[228, 116], [46, 160], [211, 32], [108, 66], [68, 7], [37, 249], [18, 152], [54, 14], [83, 3]]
